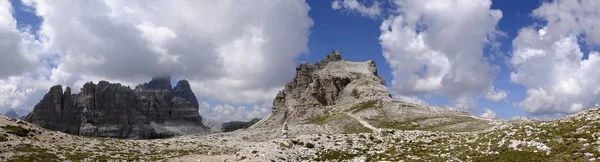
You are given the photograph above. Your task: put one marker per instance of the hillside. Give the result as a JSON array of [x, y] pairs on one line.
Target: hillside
[[572, 138]]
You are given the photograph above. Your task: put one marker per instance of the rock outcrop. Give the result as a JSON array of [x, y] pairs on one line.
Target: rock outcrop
[[317, 87], [235, 125], [151, 110], [11, 113]]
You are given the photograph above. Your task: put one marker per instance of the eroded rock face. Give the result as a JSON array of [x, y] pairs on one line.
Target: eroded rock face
[[328, 82], [113, 110]]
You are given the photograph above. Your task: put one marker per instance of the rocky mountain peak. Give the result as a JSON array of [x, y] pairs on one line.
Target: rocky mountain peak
[[162, 82], [329, 82], [57, 89], [332, 57], [11, 113], [184, 90]]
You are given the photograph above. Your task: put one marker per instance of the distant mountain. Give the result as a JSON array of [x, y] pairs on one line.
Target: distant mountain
[[11, 113], [151, 110], [213, 125], [235, 125]]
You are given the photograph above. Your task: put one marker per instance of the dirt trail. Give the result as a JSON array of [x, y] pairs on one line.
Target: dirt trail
[[495, 124], [363, 122]]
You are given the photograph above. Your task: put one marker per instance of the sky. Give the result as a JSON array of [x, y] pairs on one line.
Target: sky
[[499, 59]]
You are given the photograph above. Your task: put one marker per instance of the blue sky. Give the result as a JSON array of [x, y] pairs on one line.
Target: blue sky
[[357, 37], [345, 28]]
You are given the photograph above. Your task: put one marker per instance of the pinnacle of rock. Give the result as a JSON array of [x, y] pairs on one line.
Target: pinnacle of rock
[[184, 90], [163, 82]]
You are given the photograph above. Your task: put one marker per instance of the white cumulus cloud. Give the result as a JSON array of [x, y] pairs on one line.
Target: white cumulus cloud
[[354, 6], [226, 113], [435, 47], [238, 52], [550, 63], [15, 46], [488, 114], [496, 95]]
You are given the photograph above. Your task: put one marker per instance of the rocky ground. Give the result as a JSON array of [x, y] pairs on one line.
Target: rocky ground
[[572, 138]]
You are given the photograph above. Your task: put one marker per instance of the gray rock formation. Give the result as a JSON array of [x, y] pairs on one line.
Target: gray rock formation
[[113, 110], [163, 82], [340, 96], [235, 125], [183, 90], [11, 113], [328, 82]]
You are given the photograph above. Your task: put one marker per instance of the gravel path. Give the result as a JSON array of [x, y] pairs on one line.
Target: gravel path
[[363, 122]]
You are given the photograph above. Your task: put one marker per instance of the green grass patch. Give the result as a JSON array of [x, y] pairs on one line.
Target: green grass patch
[[80, 156], [38, 156], [514, 155], [29, 148], [33, 153], [349, 124], [335, 155], [3, 137], [419, 123], [322, 119], [365, 105], [319, 120], [356, 128], [16, 130]]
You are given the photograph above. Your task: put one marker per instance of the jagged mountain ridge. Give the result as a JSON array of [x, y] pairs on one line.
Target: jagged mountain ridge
[[151, 110]]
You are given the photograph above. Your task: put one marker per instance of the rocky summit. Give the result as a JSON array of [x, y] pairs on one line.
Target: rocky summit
[[151, 110], [318, 87], [349, 97]]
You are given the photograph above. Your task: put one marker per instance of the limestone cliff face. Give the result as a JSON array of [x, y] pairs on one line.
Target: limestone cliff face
[[317, 87], [113, 110]]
